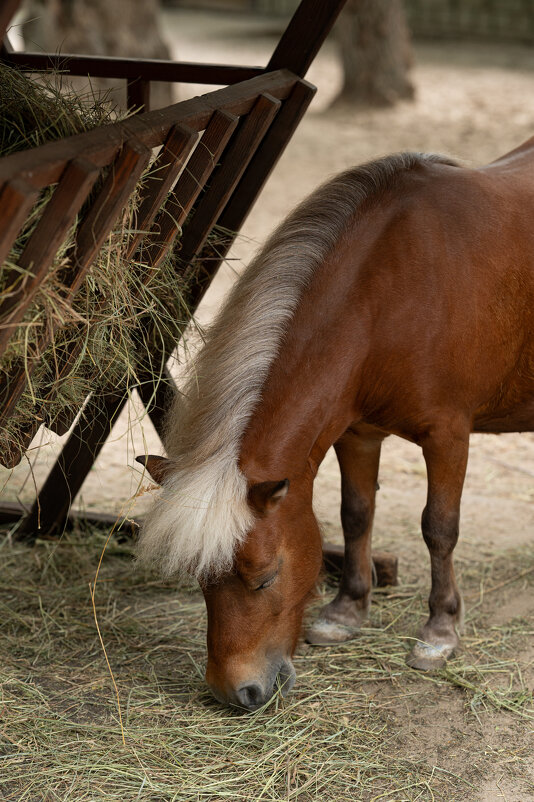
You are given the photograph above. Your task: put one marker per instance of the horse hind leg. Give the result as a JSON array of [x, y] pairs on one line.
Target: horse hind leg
[[358, 456], [445, 454]]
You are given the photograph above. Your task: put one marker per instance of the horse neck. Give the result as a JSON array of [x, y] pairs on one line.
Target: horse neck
[[307, 401]]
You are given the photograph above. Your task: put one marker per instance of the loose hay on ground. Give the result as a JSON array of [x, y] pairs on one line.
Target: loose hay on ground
[[336, 737]]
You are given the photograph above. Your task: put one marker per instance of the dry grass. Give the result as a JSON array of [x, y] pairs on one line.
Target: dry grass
[[359, 724], [115, 296]]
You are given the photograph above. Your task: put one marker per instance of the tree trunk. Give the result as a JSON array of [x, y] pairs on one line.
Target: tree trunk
[[125, 28], [376, 53]]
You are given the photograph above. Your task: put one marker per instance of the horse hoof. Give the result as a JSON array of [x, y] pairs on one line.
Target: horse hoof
[[427, 657], [324, 633]]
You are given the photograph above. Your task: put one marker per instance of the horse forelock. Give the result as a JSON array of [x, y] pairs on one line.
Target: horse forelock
[[202, 513]]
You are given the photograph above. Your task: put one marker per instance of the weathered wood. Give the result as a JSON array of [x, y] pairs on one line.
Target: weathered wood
[[132, 68], [120, 181], [163, 173], [188, 187], [11, 512], [385, 564], [254, 177], [225, 178], [250, 185], [138, 95], [50, 511], [16, 200], [44, 165], [51, 230], [168, 223], [303, 37]]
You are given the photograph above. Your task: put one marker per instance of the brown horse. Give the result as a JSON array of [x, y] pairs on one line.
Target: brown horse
[[397, 299]]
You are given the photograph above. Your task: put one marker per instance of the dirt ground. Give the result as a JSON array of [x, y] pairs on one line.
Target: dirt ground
[[474, 102]]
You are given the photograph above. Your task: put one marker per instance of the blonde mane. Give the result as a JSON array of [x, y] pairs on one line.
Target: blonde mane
[[202, 513]]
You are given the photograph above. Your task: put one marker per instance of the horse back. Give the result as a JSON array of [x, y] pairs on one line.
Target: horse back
[[448, 290]]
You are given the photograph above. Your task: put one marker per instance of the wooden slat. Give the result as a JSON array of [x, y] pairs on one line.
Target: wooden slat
[[44, 165], [163, 173], [236, 159], [303, 37], [51, 230], [251, 183], [225, 177], [50, 511], [11, 512], [267, 156], [100, 219], [189, 185], [119, 184], [137, 95], [16, 200], [132, 68]]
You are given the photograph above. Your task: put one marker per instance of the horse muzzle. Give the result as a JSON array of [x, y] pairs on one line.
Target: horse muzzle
[[255, 693]]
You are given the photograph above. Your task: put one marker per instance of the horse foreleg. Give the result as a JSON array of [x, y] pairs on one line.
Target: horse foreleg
[[446, 462], [358, 458]]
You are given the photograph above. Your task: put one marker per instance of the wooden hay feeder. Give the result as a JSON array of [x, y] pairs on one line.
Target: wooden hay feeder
[[214, 153]]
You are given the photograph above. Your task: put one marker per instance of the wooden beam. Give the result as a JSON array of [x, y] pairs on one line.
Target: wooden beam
[[51, 508], [236, 159], [189, 186], [51, 230], [44, 165], [11, 512], [133, 68], [163, 173], [16, 200], [137, 95], [385, 564], [156, 397], [303, 37], [119, 183], [254, 177]]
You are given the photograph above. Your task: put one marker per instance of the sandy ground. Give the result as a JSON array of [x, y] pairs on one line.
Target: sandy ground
[[474, 102]]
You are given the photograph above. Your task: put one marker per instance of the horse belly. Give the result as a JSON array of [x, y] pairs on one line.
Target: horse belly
[[513, 411]]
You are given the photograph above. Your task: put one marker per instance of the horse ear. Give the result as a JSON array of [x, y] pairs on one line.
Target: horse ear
[[158, 467], [266, 496]]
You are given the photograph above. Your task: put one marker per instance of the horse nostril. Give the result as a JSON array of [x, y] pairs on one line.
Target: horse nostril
[[250, 696]]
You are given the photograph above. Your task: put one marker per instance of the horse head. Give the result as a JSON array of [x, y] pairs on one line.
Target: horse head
[[255, 606]]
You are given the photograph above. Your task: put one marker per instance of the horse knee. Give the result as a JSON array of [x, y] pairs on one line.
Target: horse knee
[[356, 514], [440, 530]]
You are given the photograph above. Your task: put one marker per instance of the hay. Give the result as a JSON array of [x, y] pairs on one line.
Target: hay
[[106, 312], [357, 726]]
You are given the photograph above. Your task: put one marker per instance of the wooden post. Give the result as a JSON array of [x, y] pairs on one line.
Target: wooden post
[[72, 466], [137, 95], [301, 41]]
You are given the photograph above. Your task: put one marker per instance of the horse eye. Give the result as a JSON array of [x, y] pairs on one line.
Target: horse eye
[[267, 583]]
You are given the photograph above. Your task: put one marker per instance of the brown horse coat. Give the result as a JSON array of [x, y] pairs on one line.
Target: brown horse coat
[[398, 299]]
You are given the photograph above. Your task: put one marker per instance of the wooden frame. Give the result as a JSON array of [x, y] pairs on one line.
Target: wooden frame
[[230, 139]]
